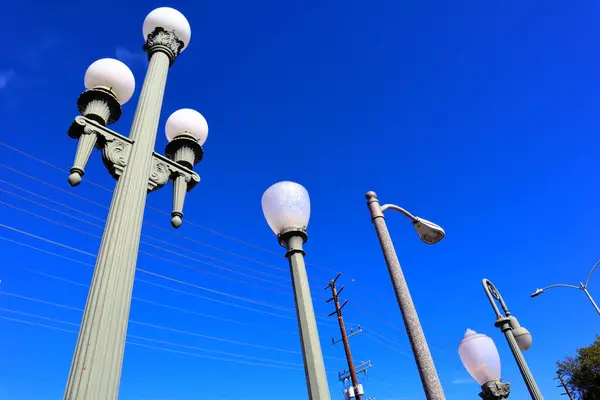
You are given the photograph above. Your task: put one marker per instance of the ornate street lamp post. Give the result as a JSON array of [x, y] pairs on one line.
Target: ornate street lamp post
[[480, 357], [97, 362], [518, 338], [286, 206]]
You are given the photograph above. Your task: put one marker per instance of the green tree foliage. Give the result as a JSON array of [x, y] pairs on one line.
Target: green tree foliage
[[582, 372]]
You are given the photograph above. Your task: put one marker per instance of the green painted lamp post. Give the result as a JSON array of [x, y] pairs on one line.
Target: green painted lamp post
[[518, 338], [286, 207], [582, 286], [429, 233], [480, 357], [97, 362]]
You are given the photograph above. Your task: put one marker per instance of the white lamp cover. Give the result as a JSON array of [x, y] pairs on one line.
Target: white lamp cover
[[113, 74], [187, 121], [480, 357], [170, 20], [286, 205]]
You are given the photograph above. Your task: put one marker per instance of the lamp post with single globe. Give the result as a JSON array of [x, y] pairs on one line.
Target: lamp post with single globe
[[286, 207], [480, 357], [429, 233], [582, 286], [518, 338], [97, 362]]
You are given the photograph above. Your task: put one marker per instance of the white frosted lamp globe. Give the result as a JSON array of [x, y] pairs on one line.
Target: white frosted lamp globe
[[113, 74], [286, 205], [189, 122], [480, 357], [170, 20]]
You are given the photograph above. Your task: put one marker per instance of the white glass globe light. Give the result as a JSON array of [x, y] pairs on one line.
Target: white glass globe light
[[113, 74], [170, 20], [286, 205], [187, 121], [480, 357]]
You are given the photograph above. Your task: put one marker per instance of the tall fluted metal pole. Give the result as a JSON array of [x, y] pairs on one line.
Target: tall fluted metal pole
[[96, 368], [314, 366], [429, 377]]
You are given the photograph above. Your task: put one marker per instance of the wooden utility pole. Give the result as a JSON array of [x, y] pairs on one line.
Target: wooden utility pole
[[564, 385], [338, 312]]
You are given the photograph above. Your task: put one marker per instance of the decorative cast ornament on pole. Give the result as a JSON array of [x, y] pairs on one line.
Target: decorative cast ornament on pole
[[582, 286], [286, 207], [518, 338], [429, 233], [97, 362]]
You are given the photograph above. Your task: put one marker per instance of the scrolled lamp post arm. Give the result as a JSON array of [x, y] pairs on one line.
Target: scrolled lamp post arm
[[493, 293]]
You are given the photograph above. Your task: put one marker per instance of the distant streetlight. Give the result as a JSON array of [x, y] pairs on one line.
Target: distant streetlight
[[582, 286], [286, 207], [518, 338], [98, 358], [429, 233], [480, 357]]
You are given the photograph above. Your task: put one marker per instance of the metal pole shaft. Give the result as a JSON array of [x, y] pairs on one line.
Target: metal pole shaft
[[589, 296], [96, 368], [534, 391], [429, 377], [351, 368], [314, 366]]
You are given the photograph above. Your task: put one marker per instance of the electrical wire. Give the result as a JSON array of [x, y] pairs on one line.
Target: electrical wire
[[273, 365], [195, 295], [159, 327]]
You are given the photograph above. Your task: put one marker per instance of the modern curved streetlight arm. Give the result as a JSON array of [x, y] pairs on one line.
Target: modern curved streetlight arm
[[591, 272], [399, 209], [560, 285]]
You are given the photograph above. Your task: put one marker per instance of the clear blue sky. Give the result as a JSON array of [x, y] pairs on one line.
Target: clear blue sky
[[481, 116]]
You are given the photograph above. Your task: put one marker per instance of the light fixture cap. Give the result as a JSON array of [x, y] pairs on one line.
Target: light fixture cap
[[168, 19], [480, 357], [187, 122], [112, 74], [286, 205]]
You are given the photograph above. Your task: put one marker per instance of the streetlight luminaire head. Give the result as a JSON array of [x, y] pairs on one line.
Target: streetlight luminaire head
[[429, 232], [537, 292], [187, 122], [480, 357], [168, 19], [112, 74], [286, 205]]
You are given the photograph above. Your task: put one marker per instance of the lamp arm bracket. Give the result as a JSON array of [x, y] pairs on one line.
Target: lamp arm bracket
[[114, 146], [165, 169], [399, 209]]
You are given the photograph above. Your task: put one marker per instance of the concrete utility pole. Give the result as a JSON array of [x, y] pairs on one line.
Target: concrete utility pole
[[357, 388], [564, 385]]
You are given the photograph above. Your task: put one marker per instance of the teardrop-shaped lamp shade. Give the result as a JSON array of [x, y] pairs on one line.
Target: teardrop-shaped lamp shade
[[113, 74], [187, 121], [286, 205], [480, 357], [170, 20]]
